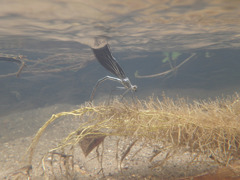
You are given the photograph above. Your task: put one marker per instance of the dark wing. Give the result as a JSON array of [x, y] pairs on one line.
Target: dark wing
[[105, 58]]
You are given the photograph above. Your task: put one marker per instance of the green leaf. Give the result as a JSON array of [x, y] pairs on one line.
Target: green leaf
[[175, 55], [166, 58]]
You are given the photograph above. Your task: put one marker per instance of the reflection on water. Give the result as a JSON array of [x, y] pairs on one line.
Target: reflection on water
[[53, 38], [141, 25]]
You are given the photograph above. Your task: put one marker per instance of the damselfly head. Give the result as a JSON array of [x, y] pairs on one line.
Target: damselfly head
[[134, 88]]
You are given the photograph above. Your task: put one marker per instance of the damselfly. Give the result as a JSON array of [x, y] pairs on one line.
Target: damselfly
[[105, 58]]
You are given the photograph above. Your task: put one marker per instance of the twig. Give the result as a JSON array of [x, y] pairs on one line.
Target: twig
[[21, 68], [22, 63], [166, 72]]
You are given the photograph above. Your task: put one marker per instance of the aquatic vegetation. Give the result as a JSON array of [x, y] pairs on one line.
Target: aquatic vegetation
[[207, 128], [169, 58], [208, 54]]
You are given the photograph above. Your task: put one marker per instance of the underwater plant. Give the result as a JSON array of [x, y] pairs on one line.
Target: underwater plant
[[163, 129], [169, 57]]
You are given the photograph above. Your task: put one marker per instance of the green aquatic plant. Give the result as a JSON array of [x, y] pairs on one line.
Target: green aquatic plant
[[169, 56], [208, 54]]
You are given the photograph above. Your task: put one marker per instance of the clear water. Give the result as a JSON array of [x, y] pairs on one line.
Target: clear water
[[55, 39]]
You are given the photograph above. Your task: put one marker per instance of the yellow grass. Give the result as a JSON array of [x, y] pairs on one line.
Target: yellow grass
[[200, 126], [207, 127]]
